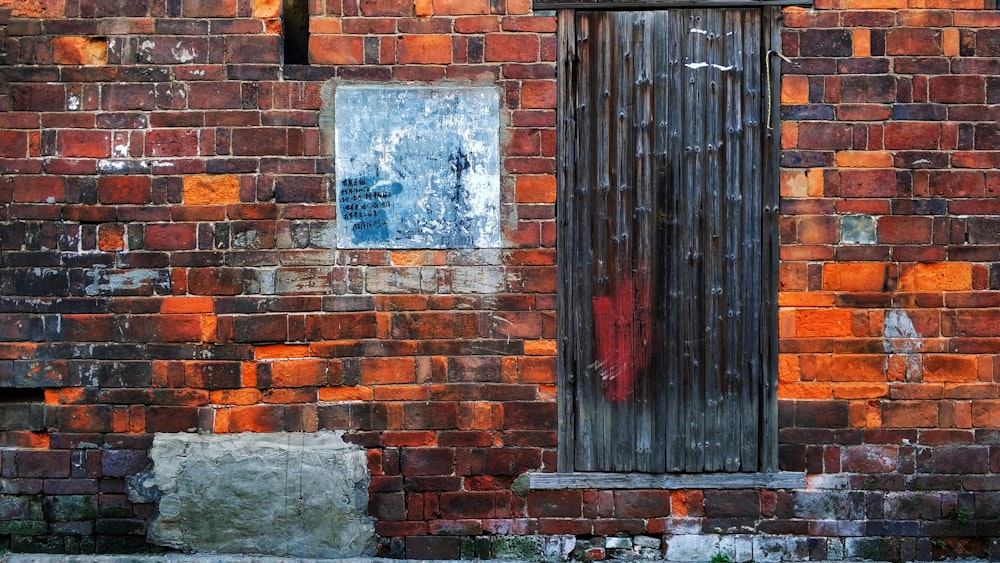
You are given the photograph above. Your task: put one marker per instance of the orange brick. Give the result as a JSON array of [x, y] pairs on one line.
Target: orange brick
[[209, 328], [950, 368], [326, 25], [457, 7], [220, 420], [540, 347], [822, 322], [536, 189], [267, 8], [793, 183], [950, 42], [541, 369], [424, 49], [211, 189], [418, 257], [336, 49], [248, 374], [864, 159], [955, 4], [985, 414], [795, 89], [863, 41], [788, 368], [806, 299], [803, 390], [424, 8], [80, 51], [176, 304], [340, 394], [789, 135], [858, 367], [299, 373], [377, 371], [864, 414], [111, 237], [234, 397], [256, 418], [277, 351], [35, 8], [939, 276], [856, 276], [401, 393], [860, 390], [516, 7], [475, 416]]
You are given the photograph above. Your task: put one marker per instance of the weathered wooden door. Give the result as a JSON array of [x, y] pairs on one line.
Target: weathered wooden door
[[667, 241]]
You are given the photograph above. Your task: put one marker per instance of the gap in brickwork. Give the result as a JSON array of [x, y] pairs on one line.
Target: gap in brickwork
[[22, 395], [295, 27]]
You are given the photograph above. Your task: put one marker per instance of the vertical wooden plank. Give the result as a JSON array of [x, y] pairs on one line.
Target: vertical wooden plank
[[732, 167], [645, 225], [587, 437], [677, 252], [771, 41], [750, 180], [566, 206]]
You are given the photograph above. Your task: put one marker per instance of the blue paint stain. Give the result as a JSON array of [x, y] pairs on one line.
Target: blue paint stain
[[365, 202]]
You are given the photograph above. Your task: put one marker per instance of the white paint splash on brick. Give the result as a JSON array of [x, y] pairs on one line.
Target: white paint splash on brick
[[183, 54], [900, 337], [73, 102]]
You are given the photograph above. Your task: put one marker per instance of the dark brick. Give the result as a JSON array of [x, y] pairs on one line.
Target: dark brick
[[727, 504], [825, 43], [46, 464], [530, 415], [428, 461], [433, 547], [642, 504], [555, 504], [821, 414], [961, 459], [171, 418]]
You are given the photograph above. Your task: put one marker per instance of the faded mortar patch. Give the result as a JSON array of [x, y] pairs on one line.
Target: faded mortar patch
[[283, 494]]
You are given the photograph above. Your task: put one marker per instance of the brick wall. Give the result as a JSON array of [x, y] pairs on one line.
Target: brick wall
[[167, 266]]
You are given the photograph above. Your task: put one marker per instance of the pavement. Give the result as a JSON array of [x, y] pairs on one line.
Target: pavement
[[218, 558]]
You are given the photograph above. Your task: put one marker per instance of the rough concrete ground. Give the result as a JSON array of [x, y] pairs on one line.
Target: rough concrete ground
[[216, 558]]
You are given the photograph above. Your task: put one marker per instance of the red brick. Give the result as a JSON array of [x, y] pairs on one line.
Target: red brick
[[124, 189], [386, 7], [913, 41], [214, 9], [958, 89], [171, 236], [505, 47], [172, 142], [13, 144], [912, 135], [39, 189], [85, 143], [424, 49], [336, 49], [381, 371], [957, 184]]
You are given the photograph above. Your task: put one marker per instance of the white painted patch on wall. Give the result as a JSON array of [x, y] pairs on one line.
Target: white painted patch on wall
[[183, 54], [696, 66], [900, 337], [73, 102]]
